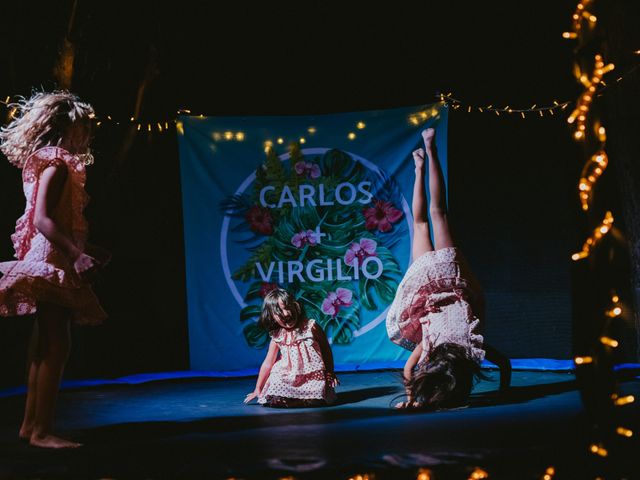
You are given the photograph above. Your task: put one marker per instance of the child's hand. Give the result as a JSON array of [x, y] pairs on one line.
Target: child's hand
[[85, 266], [332, 380], [251, 396], [408, 404], [102, 255]]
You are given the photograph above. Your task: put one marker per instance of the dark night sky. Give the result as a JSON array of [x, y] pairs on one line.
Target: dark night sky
[[295, 57], [513, 181]]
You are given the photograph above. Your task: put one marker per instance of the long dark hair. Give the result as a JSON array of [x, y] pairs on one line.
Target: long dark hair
[[445, 380], [271, 307]]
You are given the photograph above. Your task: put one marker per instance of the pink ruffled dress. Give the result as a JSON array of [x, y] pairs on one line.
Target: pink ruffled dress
[[438, 301], [300, 371], [42, 273]]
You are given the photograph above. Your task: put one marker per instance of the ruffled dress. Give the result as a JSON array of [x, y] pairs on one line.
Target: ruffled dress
[[41, 273], [438, 301], [300, 372]]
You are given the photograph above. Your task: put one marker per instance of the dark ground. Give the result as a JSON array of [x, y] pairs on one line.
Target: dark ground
[[200, 428]]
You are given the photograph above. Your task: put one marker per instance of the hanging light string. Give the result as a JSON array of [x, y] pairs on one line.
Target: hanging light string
[[540, 110], [589, 130]]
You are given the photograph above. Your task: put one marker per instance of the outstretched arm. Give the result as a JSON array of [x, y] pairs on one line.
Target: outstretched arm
[[407, 372], [412, 361], [265, 370]]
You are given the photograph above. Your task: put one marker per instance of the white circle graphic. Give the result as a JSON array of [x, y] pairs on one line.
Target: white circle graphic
[[224, 233]]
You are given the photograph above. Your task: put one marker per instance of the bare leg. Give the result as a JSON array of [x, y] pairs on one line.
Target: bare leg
[[54, 346], [437, 191], [421, 234], [33, 362]]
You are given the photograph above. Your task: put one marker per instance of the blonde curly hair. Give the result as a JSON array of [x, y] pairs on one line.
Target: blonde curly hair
[[43, 120]]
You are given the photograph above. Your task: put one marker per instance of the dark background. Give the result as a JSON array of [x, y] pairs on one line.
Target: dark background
[[513, 181]]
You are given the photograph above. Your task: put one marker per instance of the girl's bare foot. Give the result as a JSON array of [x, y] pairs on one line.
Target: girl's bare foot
[[25, 433], [418, 158], [427, 136], [51, 441]]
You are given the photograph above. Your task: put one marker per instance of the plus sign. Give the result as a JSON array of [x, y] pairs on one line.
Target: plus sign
[[319, 234]]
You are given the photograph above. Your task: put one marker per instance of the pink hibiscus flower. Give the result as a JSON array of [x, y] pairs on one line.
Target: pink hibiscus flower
[[303, 238], [381, 216], [336, 300], [265, 288], [259, 219], [360, 250], [310, 170]]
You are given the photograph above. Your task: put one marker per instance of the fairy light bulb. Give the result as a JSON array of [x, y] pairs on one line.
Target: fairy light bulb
[[583, 360], [424, 474], [624, 400], [549, 473], [625, 432], [610, 342], [599, 450], [478, 474]]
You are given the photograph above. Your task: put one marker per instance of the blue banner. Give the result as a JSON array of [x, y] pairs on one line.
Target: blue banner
[[319, 205]]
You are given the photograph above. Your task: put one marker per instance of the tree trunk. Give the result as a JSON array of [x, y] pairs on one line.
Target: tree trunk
[[620, 20]]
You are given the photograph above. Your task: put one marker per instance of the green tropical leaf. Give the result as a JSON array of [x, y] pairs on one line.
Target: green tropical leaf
[[254, 291], [255, 335], [250, 311]]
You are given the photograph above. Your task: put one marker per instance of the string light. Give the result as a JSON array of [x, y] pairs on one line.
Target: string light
[[583, 360], [424, 474], [615, 310], [478, 474], [360, 125], [579, 114], [597, 235], [583, 23], [592, 170], [549, 473], [620, 401], [625, 432], [610, 342], [449, 100], [351, 136], [599, 450]]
